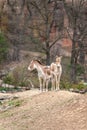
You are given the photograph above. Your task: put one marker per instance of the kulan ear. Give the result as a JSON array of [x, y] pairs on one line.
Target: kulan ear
[[57, 56], [33, 58]]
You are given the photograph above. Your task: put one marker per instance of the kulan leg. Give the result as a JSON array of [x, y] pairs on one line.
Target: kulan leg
[[44, 84], [58, 82], [40, 81], [47, 82], [58, 78], [53, 84]]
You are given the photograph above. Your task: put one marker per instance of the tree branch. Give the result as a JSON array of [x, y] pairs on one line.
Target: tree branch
[[56, 41]]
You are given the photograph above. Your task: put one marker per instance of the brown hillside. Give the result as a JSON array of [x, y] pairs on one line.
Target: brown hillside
[[47, 111]]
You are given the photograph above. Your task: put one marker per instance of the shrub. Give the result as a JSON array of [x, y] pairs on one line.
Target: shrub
[[18, 77], [65, 81], [64, 84], [8, 79], [79, 86], [7, 89], [15, 103], [4, 89], [80, 69], [67, 85]]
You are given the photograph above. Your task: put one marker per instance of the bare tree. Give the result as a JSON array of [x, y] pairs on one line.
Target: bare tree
[[15, 34], [44, 17], [33, 21], [77, 31]]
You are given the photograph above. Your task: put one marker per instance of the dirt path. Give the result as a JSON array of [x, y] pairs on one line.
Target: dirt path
[[60, 110]]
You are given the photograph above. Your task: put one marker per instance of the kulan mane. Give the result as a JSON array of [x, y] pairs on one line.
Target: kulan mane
[[39, 62]]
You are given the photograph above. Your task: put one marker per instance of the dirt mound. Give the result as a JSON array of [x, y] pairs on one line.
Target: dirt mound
[[60, 110]]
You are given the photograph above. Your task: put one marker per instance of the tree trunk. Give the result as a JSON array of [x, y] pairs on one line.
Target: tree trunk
[[85, 74], [73, 66], [48, 57], [81, 54], [47, 54], [16, 54], [74, 57]]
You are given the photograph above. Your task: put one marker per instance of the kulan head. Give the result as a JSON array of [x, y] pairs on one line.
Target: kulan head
[[31, 66], [58, 59]]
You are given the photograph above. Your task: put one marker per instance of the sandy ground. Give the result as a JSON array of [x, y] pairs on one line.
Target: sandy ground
[[60, 110]]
